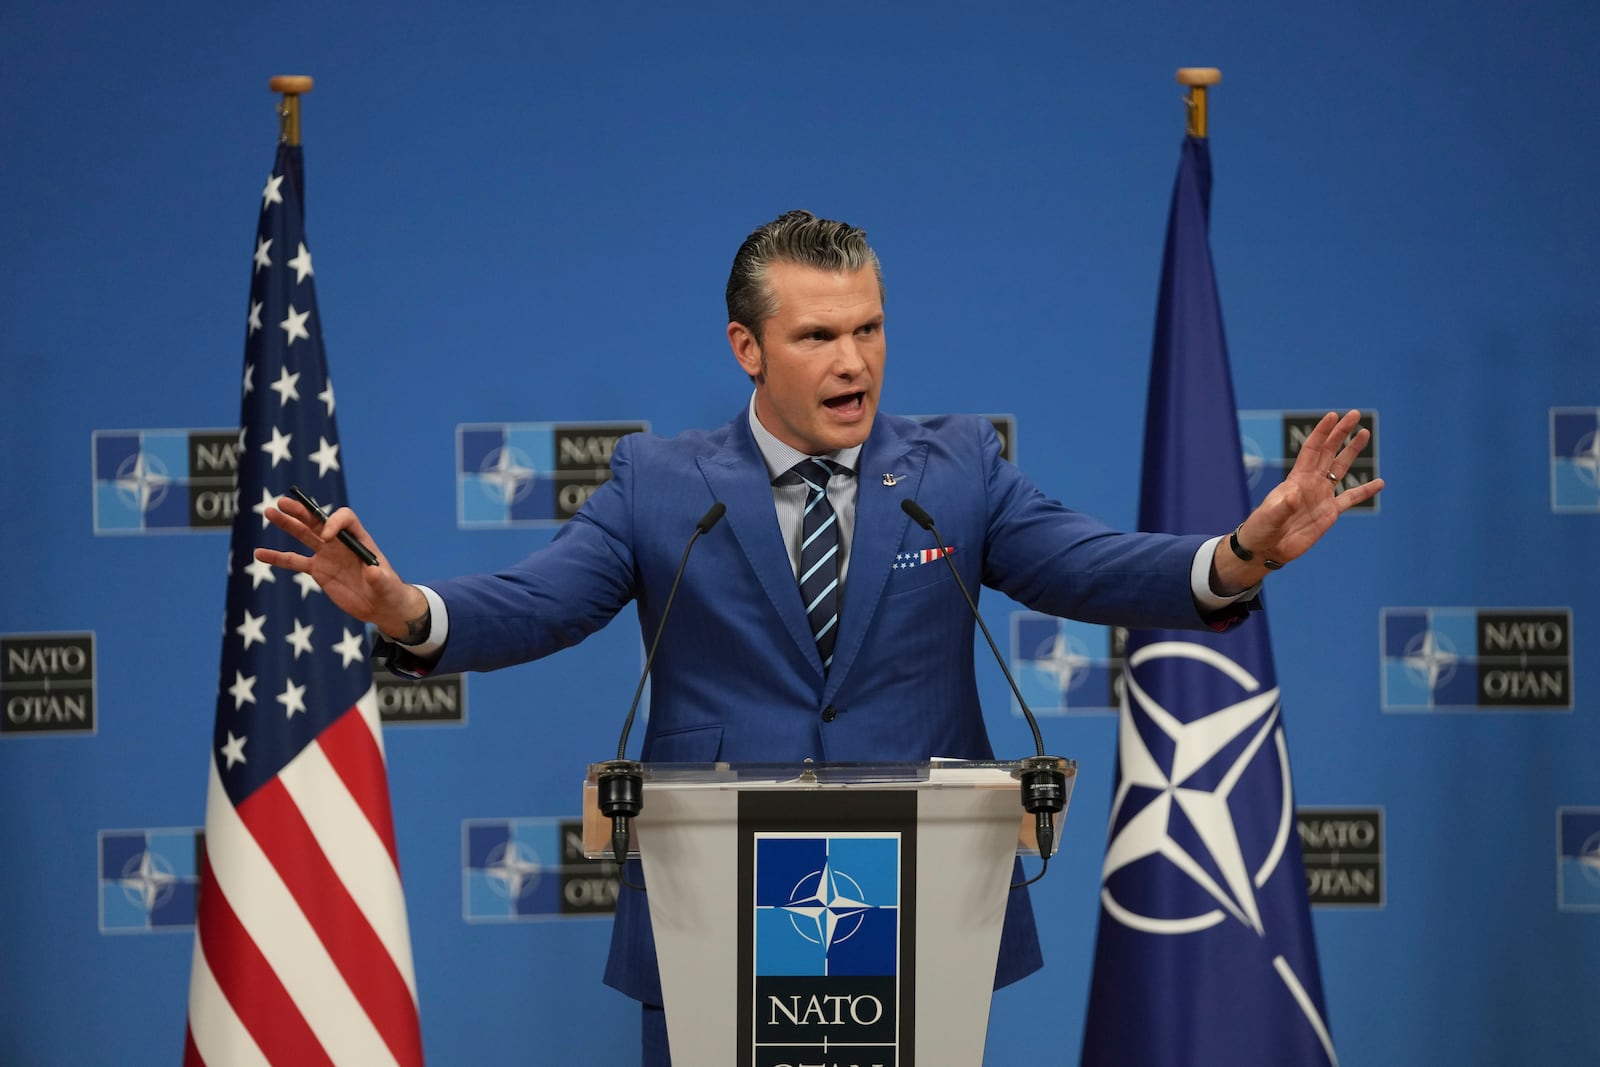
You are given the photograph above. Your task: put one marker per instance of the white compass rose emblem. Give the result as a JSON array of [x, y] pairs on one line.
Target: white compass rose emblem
[[826, 907], [147, 880], [513, 870], [1254, 460], [1064, 658], [507, 475], [1174, 806], [1431, 659], [1589, 859], [142, 481], [1185, 819]]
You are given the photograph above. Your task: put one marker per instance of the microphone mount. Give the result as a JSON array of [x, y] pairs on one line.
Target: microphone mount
[[620, 792], [1043, 778]]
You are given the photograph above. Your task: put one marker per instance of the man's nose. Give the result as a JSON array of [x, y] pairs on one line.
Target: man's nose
[[848, 359]]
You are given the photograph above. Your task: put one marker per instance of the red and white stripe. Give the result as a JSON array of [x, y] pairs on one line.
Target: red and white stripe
[[931, 554], [302, 954]]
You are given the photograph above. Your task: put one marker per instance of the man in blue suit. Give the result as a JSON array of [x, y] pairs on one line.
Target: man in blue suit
[[799, 630]]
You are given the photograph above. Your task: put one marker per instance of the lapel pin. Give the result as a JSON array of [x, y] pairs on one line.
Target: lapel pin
[[892, 479]]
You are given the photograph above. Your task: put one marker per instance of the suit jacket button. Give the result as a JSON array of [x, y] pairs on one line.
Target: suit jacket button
[[828, 714]]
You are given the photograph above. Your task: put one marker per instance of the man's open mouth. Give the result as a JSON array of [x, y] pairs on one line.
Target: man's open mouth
[[846, 402]]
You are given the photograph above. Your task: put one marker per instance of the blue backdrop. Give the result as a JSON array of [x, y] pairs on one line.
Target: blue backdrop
[[525, 213]]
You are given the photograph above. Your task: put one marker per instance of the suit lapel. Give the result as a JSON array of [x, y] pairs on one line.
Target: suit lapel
[[737, 476], [879, 531]]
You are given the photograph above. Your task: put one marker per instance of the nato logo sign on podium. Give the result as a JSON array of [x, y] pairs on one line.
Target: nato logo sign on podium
[[827, 930]]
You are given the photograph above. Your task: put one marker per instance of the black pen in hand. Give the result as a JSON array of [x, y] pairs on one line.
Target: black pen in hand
[[363, 553]]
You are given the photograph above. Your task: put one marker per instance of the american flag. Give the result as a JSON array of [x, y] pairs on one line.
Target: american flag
[[302, 954], [903, 560]]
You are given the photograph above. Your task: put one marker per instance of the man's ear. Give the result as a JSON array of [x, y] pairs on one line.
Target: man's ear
[[746, 348]]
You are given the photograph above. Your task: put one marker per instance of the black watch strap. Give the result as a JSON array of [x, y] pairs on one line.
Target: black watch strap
[[1247, 555]]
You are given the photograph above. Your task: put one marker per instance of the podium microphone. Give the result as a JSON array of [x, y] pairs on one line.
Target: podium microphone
[[1043, 783], [621, 784]]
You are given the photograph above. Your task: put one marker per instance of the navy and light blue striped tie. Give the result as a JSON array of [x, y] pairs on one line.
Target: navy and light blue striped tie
[[819, 555]]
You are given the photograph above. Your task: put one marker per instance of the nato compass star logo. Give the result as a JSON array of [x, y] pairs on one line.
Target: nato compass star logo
[[1064, 666], [826, 907], [148, 880], [1586, 459], [507, 475], [1578, 859], [1589, 859], [1255, 461], [1575, 459], [513, 870], [1430, 659], [1173, 803], [142, 481], [1175, 807], [532, 869], [1065, 659]]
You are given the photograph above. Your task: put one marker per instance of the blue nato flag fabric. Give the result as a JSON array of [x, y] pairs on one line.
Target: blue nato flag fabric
[[1204, 953]]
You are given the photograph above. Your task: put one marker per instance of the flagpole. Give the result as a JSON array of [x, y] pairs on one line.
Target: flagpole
[[1198, 79], [291, 86]]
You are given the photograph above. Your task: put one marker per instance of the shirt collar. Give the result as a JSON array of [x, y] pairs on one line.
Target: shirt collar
[[780, 457]]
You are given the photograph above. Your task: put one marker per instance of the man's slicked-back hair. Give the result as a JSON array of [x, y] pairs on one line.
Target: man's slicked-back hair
[[795, 237]]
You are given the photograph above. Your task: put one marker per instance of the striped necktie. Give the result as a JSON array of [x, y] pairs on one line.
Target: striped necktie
[[819, 554]]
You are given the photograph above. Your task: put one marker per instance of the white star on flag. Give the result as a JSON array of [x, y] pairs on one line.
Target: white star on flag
[[295, 326], [250, 629], [285, 387], [278, 447], [293, 699], [243, 691], [234, 749], [301, 264], [259, 572], [351, 648], [326, 457], [268, 500], [299, 638]]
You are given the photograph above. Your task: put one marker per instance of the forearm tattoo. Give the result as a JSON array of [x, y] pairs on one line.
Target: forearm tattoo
[[418, 629]]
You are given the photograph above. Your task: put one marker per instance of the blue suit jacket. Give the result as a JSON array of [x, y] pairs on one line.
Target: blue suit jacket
[[737, 676]]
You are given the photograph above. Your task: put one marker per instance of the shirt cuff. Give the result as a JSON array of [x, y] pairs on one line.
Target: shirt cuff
[[1205, 599], [438, 627]]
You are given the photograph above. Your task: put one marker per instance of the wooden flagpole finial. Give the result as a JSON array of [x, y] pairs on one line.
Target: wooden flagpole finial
[[291, 86], [1198, 79]]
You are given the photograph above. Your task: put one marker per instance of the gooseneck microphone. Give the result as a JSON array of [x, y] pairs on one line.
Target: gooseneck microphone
[[621, 784], [1044, 786]]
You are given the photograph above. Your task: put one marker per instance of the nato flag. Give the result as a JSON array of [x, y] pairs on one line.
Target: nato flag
[[1204, 953]]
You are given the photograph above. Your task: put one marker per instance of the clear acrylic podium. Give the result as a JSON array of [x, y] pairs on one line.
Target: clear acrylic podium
[[838, 914]]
